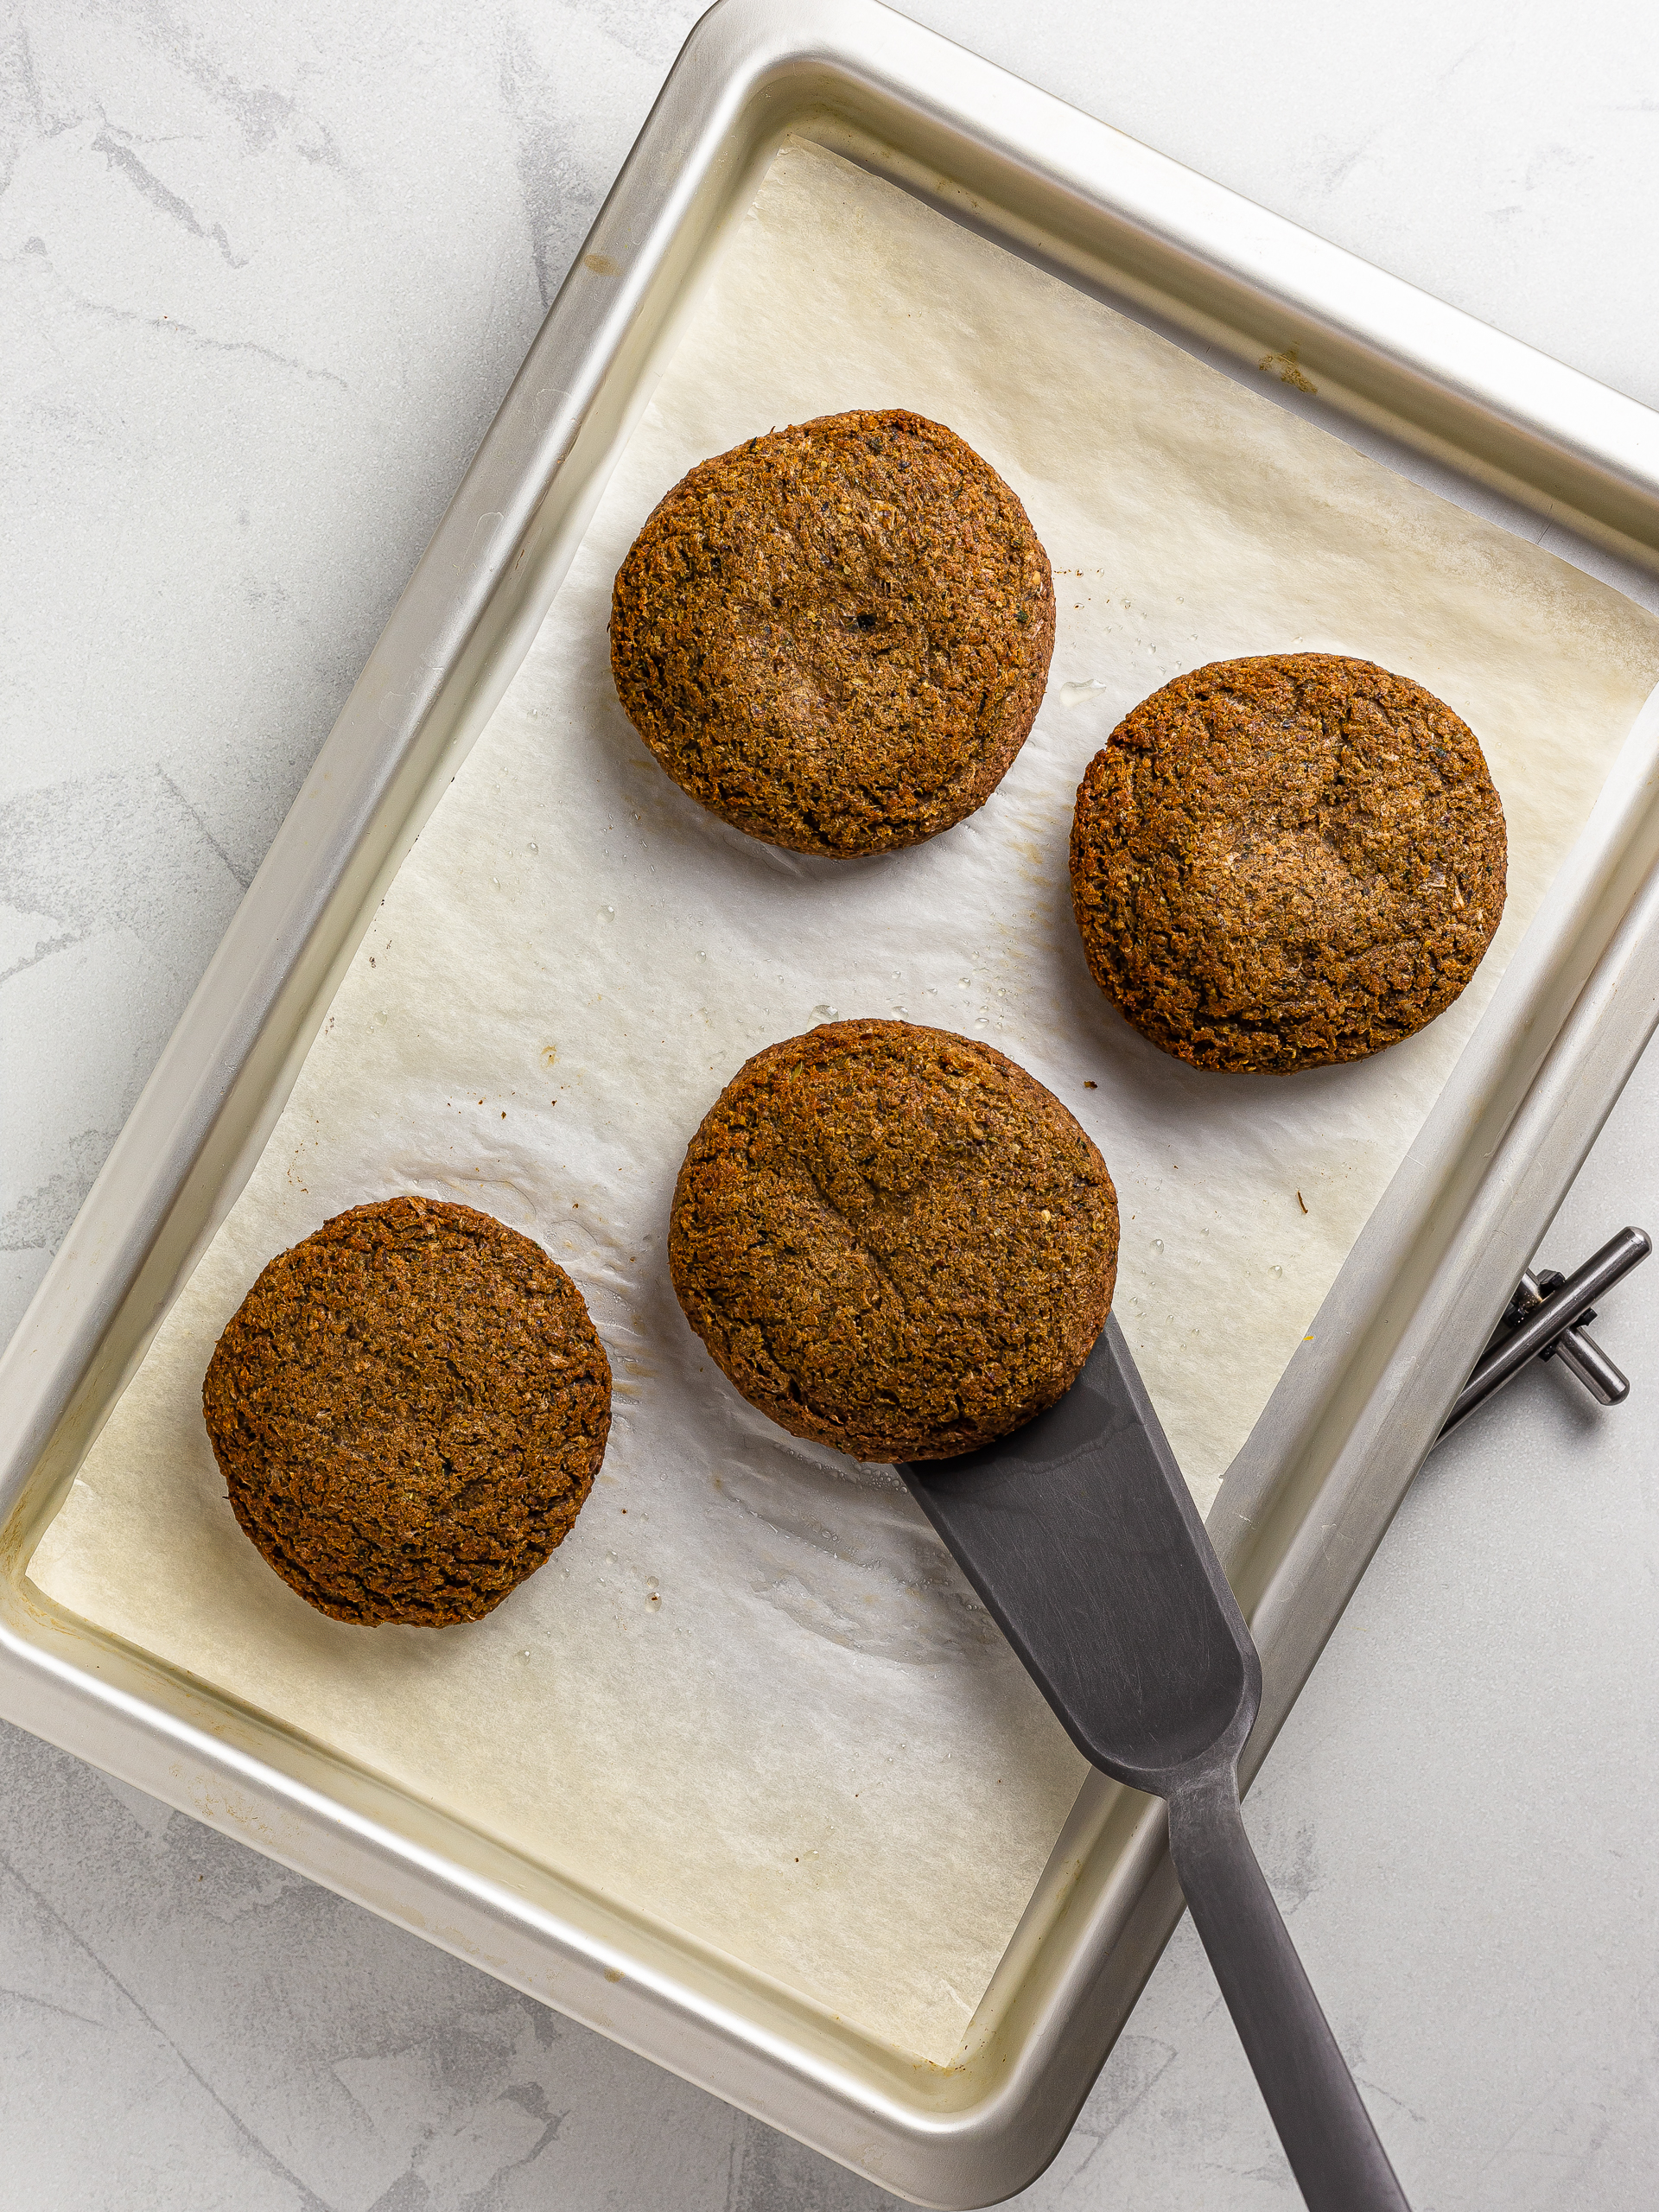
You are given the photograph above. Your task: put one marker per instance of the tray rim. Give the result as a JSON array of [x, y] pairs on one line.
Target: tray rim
[[858, 79]]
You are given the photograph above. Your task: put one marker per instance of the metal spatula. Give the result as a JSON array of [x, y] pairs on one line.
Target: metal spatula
[[1083, 1540]]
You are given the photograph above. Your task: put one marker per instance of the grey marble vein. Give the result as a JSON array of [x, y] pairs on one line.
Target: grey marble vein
[[121, 156]]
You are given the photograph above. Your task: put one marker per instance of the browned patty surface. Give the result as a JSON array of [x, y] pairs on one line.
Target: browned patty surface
[[1284, 861], [409, 1408], [893, 1240], [836, 636]]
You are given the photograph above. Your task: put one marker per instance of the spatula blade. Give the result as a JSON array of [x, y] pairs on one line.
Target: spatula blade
[[1081, 1537]]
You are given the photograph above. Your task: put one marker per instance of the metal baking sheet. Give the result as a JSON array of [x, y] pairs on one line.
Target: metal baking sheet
[[1303, 1506], [575, 958]]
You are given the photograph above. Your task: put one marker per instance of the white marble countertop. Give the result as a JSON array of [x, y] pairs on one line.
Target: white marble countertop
[[267, 275]]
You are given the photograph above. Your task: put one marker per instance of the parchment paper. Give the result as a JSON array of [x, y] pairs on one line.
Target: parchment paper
[[750, 1696]]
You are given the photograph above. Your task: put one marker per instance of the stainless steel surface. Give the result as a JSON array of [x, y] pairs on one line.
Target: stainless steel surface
[[1568, 1299], [1307, 1500], [1577, 1350], [1584, 1357]]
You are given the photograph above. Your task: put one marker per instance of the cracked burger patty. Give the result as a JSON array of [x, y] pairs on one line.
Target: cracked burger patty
[[836, 636], [893, 1240], [1280, 863], [409, 1408]]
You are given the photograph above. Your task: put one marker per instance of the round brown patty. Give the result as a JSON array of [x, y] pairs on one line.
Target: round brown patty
[[893, 1240], [1281, 863], [836, 636], [409, 1408]]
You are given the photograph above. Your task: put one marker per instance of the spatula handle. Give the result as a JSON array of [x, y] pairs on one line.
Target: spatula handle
[[1339, 2165]]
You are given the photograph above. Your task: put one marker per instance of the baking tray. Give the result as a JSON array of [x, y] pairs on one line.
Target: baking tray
[[1307, 1500]]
